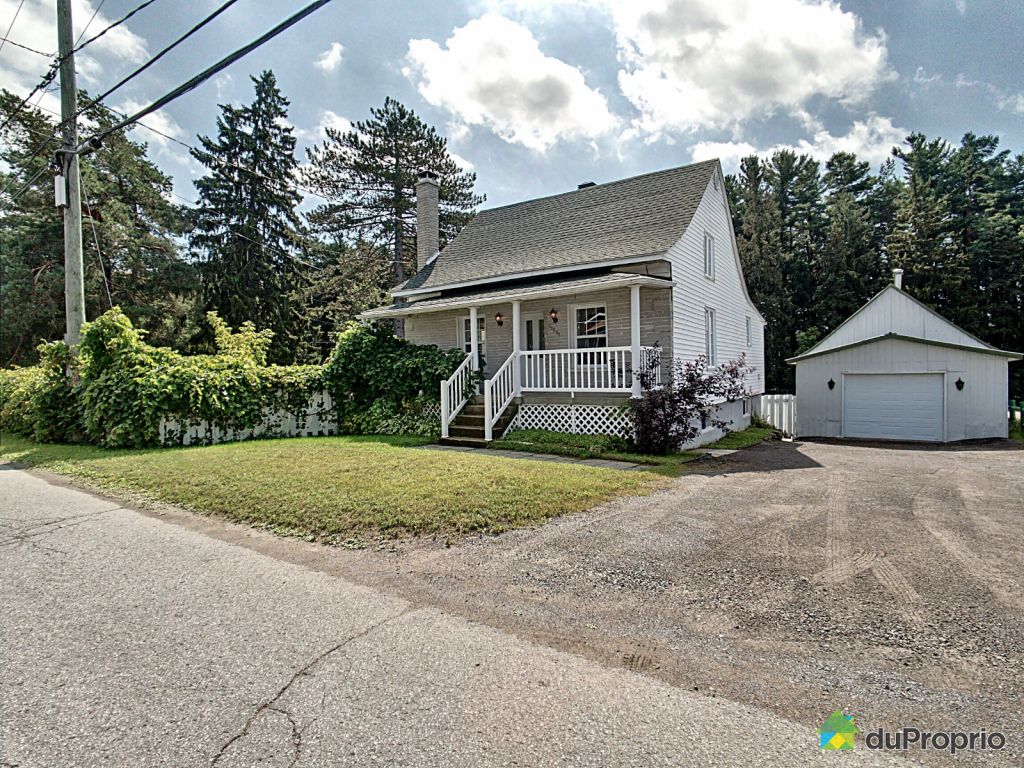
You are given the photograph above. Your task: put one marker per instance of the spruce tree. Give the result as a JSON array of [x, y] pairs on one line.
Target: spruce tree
[[247, 233]]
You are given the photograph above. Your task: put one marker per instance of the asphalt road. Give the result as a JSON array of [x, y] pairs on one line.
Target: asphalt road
[[129, 641]]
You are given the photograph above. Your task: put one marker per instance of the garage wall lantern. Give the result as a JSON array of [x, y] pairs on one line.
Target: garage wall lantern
[[831, 384], [499, 319], [959, 384], [553, 314]]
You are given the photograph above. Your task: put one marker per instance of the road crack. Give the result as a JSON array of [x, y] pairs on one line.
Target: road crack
[[271, 704]]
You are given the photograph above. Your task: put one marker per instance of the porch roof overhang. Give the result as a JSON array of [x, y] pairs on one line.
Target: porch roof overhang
[[547, 289]]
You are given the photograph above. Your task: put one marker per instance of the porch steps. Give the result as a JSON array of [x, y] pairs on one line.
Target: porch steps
[[467, 430]]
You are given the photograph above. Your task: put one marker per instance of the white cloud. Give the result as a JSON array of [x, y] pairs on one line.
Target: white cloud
[[328, 119], [1013, 103], [961, 6], [330, 60], [871, 139], [36, 27], [460, 161], [159, 121], [691, 64], [492, 73]]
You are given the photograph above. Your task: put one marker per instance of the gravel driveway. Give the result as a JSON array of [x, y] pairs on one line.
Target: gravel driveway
[[883, 580]]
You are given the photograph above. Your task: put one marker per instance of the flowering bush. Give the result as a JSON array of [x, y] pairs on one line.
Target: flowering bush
[[668, 417]]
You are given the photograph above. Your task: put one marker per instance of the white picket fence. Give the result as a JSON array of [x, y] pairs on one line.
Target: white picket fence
[[780, 412], [316, 419]]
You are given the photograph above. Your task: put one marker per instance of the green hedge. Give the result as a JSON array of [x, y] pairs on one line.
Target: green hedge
[[125, 387]]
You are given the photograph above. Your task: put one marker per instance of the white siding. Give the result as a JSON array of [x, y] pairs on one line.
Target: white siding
[[893, 311], [725, 294], [978, 411]]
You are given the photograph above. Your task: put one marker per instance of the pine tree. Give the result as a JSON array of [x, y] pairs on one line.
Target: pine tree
[[369, 176], [247, 233], [135, 226], [758, 227]]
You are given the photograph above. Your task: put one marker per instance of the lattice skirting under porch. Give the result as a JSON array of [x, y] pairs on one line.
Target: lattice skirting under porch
[[574, 419]]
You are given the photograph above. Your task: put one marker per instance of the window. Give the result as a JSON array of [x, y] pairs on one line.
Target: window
[[746, 405], [710, 340], [467, 341], [591, 327], [709, 256], [750, 333]]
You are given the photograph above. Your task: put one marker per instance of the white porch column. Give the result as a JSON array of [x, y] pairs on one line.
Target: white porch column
[[474, 340], [634, 337], [517, 368]]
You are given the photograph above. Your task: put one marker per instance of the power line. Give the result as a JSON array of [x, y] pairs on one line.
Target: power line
[[206, 74], [160, 55], [186, 145], [96, 242], [88, 24], [55, 65], [23, 47], [10, 26]]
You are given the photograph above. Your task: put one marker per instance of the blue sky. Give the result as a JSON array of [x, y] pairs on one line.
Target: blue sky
[[539, 96]]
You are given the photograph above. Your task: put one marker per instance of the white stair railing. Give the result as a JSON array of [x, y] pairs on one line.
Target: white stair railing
[[454, 393], [498, 393]]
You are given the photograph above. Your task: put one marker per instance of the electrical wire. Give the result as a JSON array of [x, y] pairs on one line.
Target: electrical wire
[[88, 24], [23, 47], [189, 85], [10, 26], [51, 74], [159, 56], [96, 242]]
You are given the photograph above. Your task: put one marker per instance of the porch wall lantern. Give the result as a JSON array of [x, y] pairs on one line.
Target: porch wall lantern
[[553, 314], [499, 319], [831, 383], [959, 384]]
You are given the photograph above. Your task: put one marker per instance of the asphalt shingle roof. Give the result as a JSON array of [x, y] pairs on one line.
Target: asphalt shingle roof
[[640, 216]]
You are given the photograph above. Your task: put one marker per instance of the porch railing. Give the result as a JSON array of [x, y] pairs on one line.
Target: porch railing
[[454, 393], [605, 369], [498, 393]]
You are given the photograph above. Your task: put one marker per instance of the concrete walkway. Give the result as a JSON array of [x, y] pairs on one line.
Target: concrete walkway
[[129, 641], [606, 463]]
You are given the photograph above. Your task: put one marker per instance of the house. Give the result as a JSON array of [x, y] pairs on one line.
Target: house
[[897, 370], [557, 300]]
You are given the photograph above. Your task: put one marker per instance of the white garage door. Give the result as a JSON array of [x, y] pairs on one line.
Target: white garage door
[[898, 406]]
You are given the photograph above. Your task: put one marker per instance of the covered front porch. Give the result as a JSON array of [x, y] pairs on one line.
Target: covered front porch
[[569, 337]]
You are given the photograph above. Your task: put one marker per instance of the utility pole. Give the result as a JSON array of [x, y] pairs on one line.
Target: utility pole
[[74, 285]]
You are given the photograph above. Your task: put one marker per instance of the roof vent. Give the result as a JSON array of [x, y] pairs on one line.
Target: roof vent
[[586, 184]]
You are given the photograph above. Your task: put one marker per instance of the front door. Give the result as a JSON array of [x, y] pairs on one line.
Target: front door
[[533, 340], [533, 332]]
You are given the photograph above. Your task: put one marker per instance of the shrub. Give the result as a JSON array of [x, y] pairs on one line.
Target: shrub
[[383, 417], [584, 446], [369, 363], [667, 418], [128, 386], [40, 402]]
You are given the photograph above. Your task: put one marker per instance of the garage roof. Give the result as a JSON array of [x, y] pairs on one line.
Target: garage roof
[[894, 314]]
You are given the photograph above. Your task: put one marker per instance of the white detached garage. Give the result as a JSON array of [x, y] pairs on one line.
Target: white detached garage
[[897, 370]]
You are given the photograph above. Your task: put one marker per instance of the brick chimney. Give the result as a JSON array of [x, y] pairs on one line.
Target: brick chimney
[[428, 223]]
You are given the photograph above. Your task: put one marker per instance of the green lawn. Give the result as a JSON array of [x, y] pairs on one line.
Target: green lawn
[[744, 438], [342, 489]]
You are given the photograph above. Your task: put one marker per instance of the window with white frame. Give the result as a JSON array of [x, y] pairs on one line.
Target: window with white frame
[[591, 327], [709, 256], [466, 341], [710, 337], [750, 332]]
